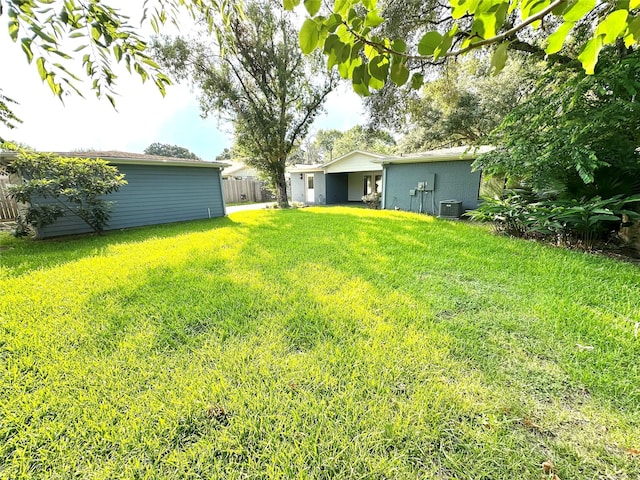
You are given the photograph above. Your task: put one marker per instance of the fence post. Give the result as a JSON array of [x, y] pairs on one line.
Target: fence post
[[8, 206]]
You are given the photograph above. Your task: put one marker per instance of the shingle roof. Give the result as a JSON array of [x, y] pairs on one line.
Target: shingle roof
[[117, 157]]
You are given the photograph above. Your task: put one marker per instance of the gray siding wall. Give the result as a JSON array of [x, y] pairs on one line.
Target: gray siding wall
[[320, 188], [454, 181], [297, 188], [153, 195], [337, 187]]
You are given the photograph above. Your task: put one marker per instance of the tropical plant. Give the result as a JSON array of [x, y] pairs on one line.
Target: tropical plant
[[512, 213], [587, 220], [581, 222], [52, 186]]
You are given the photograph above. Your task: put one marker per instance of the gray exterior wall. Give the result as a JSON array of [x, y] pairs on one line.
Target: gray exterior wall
[[320, 188], [297, 188], [155, 194], [337, 187], [454, 181]]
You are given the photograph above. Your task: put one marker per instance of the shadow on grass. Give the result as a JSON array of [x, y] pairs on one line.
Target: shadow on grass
[[22, 256], [413, 336]]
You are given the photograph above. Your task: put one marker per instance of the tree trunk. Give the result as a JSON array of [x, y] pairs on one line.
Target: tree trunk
[[281, 191]]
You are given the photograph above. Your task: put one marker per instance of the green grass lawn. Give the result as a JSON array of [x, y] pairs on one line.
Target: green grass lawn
[[316, 343]]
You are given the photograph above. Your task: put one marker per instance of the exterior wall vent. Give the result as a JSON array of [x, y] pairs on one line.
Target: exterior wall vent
[[450, 209]]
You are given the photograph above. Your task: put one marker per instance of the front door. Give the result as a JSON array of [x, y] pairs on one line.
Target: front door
[[311, 198]]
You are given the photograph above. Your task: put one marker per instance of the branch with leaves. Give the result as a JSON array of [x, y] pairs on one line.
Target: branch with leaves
[[349, 34], [92, 34]]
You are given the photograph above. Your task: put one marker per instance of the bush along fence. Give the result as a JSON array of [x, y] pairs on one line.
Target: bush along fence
[[8, 206], [245, 190]]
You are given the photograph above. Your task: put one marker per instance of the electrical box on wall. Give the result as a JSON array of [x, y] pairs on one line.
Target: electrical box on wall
[[430, 183], [412, 192]]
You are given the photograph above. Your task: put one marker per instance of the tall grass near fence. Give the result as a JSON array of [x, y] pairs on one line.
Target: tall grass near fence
[[316, 343]]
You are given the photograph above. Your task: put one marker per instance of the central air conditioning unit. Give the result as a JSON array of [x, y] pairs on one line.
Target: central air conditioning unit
[[450, 209]]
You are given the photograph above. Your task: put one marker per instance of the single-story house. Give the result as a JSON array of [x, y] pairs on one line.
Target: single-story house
[[158, 190], [345, 179], [439, 182], [239, 170]]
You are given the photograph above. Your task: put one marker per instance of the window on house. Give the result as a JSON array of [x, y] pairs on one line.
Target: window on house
[[310, 182], [367, 185], [378, 183]]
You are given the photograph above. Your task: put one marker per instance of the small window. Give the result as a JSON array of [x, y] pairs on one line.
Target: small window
[[310, 182]]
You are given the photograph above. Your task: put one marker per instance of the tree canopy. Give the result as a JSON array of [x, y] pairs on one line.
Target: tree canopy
[[575, 132], [363, 138], [463, 105], [166, 150], [255, 74], [353, 37]]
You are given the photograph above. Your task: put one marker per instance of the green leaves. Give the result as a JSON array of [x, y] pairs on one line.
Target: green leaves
[[77, 182], [355, 22], [557, 38], [399, 73], [312, 6], [577, 9], [309, 36], [429, 42], [499, 58], [589, 54], [290, 4], [612, 26]]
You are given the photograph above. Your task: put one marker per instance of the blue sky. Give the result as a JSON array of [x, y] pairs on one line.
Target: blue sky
[[143, 115]]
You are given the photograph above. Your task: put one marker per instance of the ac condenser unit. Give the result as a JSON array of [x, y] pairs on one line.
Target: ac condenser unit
[[450, 209]]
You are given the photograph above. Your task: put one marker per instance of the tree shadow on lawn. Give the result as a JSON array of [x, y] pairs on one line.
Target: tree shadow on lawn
[[22, 256], [402, 347], [513, 315]]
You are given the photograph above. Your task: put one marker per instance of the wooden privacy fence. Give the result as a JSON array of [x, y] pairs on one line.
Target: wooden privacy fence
[[8, 207], [244, 190]]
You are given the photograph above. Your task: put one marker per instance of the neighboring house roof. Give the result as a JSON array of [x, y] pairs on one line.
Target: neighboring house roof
[[301, 168], [239, 169], [355, 161], [441, 155], [127, 158]]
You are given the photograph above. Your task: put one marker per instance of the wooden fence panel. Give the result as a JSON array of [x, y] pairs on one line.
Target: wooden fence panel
[[244, 190], [8, 206]]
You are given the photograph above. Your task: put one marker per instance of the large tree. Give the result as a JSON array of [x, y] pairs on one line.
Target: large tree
[[461, 106], [81, 38], [363, 138], [166, 150], [255, 74]]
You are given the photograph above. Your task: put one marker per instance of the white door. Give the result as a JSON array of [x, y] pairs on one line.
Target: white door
[[310, 190]]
